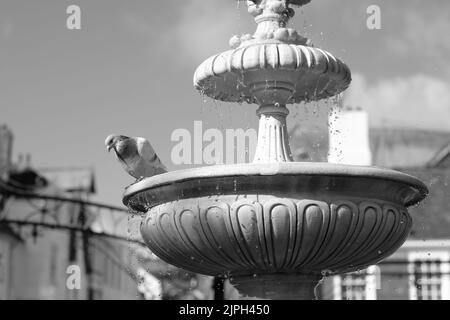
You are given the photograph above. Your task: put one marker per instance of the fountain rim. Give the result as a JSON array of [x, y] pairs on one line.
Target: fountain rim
[[277, 169]]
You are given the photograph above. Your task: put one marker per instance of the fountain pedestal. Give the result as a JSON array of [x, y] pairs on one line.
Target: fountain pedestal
[[273, 138], [278, 286], [274, 226]]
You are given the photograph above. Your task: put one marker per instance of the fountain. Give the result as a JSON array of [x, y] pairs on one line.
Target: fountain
[[274, 227]]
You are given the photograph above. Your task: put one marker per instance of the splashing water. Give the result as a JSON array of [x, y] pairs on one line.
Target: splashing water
[[317, 289]]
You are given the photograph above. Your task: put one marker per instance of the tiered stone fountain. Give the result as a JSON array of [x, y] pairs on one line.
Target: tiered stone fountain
[[274, 226]]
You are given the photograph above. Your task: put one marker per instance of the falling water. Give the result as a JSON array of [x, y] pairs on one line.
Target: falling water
[[130, 269], [317, 289]]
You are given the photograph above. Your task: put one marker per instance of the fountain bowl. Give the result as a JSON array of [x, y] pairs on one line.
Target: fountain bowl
[[269, 72], [270, 220]]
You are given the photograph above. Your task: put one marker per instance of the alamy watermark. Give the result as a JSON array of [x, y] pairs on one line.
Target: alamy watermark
[[212, 146], [73, 21], [73, 280], [373, 21]]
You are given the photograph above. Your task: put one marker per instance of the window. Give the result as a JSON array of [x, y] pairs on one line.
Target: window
[[429, 275], [361, 285]]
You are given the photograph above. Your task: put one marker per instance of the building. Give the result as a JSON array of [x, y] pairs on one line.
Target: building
[[39, 252], [48, 249], [420, 269]]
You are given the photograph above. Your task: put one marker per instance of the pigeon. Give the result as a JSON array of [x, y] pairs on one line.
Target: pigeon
[[136, 155]]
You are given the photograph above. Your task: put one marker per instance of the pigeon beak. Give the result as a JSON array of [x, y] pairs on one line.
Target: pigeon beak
[[108, 148]]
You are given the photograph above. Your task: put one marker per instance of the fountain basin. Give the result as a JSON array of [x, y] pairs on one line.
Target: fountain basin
[[268, 72], [263, 220]]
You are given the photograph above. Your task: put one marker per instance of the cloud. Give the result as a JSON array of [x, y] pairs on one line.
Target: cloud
[[425, 31], [205, 27], [196, 29], [423, 37], [420, 101]]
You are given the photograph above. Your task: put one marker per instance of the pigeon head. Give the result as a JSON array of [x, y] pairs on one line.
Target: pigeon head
[[113, 139]]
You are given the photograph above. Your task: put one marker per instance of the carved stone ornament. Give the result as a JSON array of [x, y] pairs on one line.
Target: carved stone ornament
[[273, 67], [274, 226], [265, 222]]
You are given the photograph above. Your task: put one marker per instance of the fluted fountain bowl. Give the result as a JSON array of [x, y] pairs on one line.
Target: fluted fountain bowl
[[275, 221], [270, 71]]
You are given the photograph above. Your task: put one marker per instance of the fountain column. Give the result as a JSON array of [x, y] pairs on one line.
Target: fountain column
[[273, 139], [272, 17]]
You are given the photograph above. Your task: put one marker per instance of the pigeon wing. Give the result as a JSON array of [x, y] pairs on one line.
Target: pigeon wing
[[127, 156], [147, 153]]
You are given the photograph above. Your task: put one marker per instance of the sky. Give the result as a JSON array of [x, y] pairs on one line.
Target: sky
[[129, 71]]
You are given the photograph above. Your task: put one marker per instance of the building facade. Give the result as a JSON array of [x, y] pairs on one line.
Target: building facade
[[41, 262], [42, 255], [420, 269]]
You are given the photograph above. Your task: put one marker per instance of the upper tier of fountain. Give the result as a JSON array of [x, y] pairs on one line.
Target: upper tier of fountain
[[275, 65]]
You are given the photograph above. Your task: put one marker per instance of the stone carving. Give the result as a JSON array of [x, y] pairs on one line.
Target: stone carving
[[261, 234], [269, 72], [272, 68], [273, 142], [272, 17], [274, 226]]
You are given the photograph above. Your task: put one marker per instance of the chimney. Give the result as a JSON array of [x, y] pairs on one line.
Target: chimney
[[349, 137], [6, 145]]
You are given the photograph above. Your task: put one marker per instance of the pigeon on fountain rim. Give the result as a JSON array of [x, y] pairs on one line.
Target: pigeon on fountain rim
[[136, 155]]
